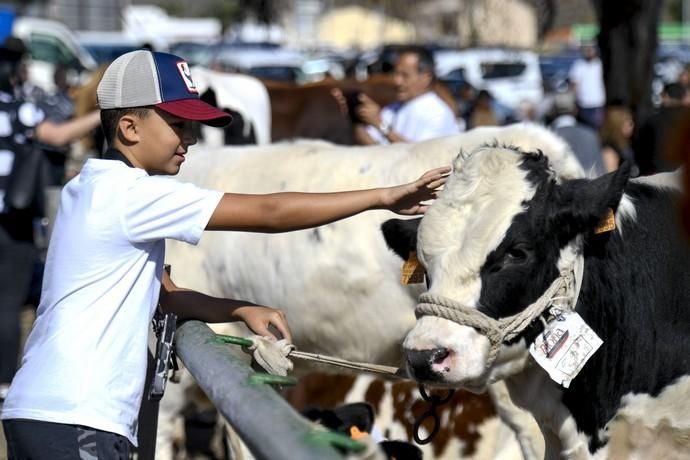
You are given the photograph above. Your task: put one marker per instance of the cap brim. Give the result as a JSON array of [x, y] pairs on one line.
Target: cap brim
[[195, 109]]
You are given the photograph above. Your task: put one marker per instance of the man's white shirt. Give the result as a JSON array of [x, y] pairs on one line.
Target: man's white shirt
[[85, 359], [419, 119], [588, 77]]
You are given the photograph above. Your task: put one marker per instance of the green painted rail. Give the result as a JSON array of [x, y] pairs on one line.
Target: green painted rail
[[268, 425]]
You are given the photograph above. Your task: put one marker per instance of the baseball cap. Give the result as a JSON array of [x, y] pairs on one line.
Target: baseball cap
[[142, 78]]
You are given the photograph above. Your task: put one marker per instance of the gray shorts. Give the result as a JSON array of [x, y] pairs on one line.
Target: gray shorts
[[36, 440]]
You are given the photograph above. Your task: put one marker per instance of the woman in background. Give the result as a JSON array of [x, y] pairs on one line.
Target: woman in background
[[616, 132]]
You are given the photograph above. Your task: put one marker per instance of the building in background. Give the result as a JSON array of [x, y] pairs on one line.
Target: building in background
[[103, 15], [362, 28], [340, 23]]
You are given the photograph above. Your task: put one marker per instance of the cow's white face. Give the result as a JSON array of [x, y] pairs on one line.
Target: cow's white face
[[494, 241], [459, 231]]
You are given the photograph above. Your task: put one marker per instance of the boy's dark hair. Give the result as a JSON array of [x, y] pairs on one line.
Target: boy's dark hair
[[111, 117], [425, 60]]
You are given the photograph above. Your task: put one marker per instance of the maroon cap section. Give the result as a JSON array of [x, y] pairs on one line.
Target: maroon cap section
[[195, 109]]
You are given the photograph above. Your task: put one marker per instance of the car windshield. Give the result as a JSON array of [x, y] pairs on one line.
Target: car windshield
[[491, 70], [105, 54]]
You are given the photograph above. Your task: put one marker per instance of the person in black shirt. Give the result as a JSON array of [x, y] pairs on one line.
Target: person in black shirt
[[652, 142], [22, 124]]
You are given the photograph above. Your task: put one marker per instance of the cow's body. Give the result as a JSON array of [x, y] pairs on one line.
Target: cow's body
[[494, 241], [245, 97]]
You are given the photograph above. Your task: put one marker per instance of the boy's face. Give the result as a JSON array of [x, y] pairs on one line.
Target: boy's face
[[163, 142]]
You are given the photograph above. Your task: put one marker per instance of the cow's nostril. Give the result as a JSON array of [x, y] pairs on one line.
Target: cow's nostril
[[421, 362], [438, 355]]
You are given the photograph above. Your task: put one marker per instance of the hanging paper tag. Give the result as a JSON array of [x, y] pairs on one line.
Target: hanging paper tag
[[607, 223], [412, 270], [564, 347]]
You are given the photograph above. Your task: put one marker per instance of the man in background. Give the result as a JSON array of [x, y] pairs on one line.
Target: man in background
[[587, 78], [418, 113], [582, 138]]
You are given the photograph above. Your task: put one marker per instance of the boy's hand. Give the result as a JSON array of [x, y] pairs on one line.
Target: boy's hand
[[259, 319], [408, 199]]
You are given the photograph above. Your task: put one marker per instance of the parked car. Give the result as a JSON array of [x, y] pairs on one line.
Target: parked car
[[51, 43], [195, 53], [510, 75], [555, 68], [105, 47], [272, 63]]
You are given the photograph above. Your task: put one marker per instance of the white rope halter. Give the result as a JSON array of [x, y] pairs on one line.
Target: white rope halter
[[560, 297]]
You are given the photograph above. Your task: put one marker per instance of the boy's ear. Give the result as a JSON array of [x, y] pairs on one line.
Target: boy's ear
[[128, 129]]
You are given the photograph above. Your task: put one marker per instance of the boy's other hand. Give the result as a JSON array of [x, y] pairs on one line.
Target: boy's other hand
[[410, 199], [260, 319]]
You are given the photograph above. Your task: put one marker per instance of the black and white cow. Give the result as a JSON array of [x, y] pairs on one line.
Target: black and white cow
[[503, 230]]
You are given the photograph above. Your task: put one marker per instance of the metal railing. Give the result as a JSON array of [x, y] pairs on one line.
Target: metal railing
[[267, 424]]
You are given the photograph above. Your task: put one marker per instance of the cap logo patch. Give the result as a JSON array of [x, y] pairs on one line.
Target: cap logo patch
[[186, 76]]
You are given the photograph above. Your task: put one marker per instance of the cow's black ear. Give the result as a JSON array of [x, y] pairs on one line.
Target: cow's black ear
[[360, 414], [581, 204], [401, 235]]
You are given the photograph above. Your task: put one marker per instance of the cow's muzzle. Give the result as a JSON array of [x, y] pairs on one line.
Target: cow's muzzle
[[427, 365]]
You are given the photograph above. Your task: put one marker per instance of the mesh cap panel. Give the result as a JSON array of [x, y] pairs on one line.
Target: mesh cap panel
[[130, 81]]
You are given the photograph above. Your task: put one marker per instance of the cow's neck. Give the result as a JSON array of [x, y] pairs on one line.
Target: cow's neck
[[633, 290], [533, 390]]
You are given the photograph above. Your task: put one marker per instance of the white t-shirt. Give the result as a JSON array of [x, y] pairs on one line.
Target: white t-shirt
[[85, 359], [424, 117], [588, 77]]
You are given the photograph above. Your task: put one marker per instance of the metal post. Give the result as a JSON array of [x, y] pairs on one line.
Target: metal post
[[271, 429]]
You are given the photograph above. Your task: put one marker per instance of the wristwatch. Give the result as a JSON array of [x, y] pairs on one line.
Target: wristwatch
[[384, 127]]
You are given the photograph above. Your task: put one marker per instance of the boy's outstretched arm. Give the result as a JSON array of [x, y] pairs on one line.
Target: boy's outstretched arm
[[280, 212], [188, 304]]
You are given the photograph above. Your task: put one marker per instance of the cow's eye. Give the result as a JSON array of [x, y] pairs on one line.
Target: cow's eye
[[516, 255]]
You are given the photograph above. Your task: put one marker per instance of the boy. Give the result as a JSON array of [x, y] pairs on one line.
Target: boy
[[81, 381]]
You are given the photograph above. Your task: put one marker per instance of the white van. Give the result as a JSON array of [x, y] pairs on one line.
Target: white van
[[51, 43], [510, 75]]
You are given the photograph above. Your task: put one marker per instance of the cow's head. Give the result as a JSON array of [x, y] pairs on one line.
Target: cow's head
[[493, 241]]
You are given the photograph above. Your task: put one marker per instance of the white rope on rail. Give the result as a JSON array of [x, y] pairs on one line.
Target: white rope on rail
[[274, 357]]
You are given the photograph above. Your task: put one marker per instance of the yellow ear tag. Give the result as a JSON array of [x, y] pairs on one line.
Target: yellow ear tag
[[606, 224], [412, 270], [356, 434]]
